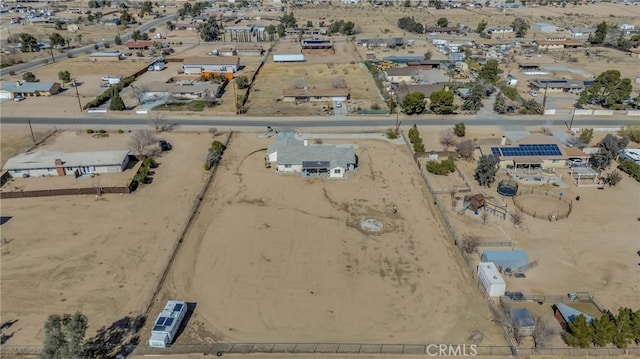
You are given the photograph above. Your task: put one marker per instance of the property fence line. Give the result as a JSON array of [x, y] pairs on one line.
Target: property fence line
[[496, 244]]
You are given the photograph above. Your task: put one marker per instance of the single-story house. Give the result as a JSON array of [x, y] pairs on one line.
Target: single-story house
[[557, 44], [565, 315], [534, 151], [441, 30], [557, 85], [389, 42], [490, 43], [138, 45], [28, 89], [499, 30], [313, 44], [182, 90], [211, 65], [106, 56], [316, 95], [630, 154], [543, 27], [402, 74], [582, 32], [249, 50], [187, 26], [226, 51], [425, 64], [291, 155], [112, 22], [426, 90], [50, 163]]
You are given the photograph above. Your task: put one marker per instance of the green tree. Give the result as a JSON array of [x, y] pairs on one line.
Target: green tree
[[56, 40], [441, 168], [442, 102], [281, 30], [459, 129], [603, 330], [613, 178], [135, 36], [29, 77], [635, 323], [289, 20], [407, 3], [418, 145], [64, 76], [608, 90], [500, 105], [64, 336], [146, 8], [58, 24], [486, 170], [632, 132], [600, 34], [413, 103], [520, 27], [270, 29], [210, 30], [428, 55], [586, 135], [413, 133], [473, 102], [170, 26], [125, 17], [623, 328], [242, 81], [610, 146], [490, 72], [443, 22], [116, 102], [481, 26], [580, 333], [28, 43], [531, 107], [117, 40]]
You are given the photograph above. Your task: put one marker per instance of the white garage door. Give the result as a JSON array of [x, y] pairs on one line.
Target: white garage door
[[5, 95]]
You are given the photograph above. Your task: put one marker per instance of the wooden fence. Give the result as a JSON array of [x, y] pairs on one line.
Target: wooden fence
[[548, 215]]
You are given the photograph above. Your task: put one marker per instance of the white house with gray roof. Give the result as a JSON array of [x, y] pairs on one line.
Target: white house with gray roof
[[291, 155], [52, 163]]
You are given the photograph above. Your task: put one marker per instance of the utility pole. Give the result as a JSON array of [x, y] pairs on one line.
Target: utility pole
[[544, 100], [397, 112], [235, 95], [573, 115], [75, 85], [33, 137]]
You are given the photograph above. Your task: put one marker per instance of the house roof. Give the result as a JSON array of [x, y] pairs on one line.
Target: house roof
[[424, 62], [138, 44], [557, 83], [401, 71], [426, 90], [210, 60], [188, 87], [106, 54], [46, 159], [27, 87], [293, 151], [570, 314], [313, 92]]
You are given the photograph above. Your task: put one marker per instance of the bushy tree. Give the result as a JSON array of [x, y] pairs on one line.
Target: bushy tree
[[413, 103], [210, 30], [215, 154], [586, 135], [428, 55], [600, 34], [486, 171], [610, 147], [520, 27], [624, 331], [64, 336], [443, 22], [442, 168], [442, 102], [242, 81], [125, 17], [116, 103], [613, 178], [580, 333], [117, 40], [56, 40], [343, 27], [418, 145], [603, 330], [500, 105], [289, 20], [632, 132], [29, 77], [608, 90], [459, 129], [473, 102], [531, 107], [410, 24], [490, 72], [481, 26], [413, 133], [28, 43], [64, 76]]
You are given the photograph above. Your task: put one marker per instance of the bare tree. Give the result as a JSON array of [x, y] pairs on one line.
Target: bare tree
[[484, 215], [517, 218], [156, 119], [466, 149], [140, 142], [139, 92], [542, 332], [471, 244], [447, 139]]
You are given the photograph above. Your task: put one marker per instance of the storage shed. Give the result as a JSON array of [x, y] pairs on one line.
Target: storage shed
[[506, 260], [522, 321], [288, 57], [491, 280], [566, 315], [543, 27], [167, 323]]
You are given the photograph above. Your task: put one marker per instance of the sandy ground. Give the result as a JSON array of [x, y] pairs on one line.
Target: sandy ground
[[277, 258], [101, 256], [15, 139]]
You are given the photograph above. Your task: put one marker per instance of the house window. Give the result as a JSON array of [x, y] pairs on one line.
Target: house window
[[287, 166], [17, 171], [555, 161], [337, 171]]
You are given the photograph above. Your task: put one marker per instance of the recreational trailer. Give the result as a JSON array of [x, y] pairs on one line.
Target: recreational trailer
[[492, 282], [167, 324]]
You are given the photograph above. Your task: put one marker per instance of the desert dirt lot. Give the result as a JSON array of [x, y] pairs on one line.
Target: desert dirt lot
[[101, 256], [279, 258], [593, 250]]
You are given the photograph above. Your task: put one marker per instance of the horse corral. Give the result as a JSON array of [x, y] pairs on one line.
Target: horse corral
[[543, 204]]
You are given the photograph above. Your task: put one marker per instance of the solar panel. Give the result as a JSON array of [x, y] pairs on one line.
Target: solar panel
[[158, 328], [168, 322], [178, 307], [527, 150]]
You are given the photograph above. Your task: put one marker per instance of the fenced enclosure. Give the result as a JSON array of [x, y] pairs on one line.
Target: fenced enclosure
[[558, 212]]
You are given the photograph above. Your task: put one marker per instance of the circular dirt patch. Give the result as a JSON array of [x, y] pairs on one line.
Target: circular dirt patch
[[543, 207], [371, 225]]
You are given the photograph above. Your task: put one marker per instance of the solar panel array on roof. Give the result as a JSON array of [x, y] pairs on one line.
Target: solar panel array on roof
[[527, 150]]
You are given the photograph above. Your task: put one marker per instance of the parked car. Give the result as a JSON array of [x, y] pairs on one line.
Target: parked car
[[18, 98], [165, 146], [574, 162], [514, 295]]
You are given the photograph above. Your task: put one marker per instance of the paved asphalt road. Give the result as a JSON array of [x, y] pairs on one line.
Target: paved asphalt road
[[309, 122], [80, 50]]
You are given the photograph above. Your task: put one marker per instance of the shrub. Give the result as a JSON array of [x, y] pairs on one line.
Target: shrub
[[375, 106], [90, 131], [391, 134], [511, 93], [418, 146], [459, 129], [102, 131], [631, 168], [442, 168], [120, 131]]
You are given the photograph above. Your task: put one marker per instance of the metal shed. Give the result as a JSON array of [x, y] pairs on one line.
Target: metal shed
[[522, 321], [506, 260]]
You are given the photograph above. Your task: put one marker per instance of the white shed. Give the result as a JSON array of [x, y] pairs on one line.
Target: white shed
[[492, 282], [167, 323]]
